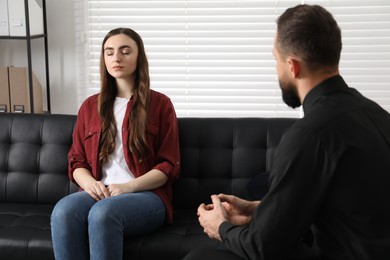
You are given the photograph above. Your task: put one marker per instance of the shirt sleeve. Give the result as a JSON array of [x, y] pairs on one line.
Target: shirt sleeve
[[168, 152], [299, 178], [77, 156]]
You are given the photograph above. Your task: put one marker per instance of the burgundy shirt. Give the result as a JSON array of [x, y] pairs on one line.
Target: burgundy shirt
[[162, 136]]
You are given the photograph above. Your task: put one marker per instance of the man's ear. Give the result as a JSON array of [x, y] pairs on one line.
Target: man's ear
[[294, 67]]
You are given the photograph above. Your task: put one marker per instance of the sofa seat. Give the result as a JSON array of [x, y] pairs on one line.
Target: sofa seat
[[218, 155], [172, 241], [24, 231]]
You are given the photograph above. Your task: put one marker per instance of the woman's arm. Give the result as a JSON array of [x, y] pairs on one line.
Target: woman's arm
[[167, 150], [78, 156], [149, 181]]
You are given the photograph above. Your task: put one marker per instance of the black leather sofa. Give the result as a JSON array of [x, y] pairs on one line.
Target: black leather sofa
[[217, 155]]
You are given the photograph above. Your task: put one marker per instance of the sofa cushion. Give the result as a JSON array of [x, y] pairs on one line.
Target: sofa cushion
[[217, 155], [172, 241], [221, 155], [258, 186], [33, 177], [25, 231], [33, 157]]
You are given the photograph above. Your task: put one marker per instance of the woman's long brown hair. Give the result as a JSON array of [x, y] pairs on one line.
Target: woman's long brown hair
[[138, 116]]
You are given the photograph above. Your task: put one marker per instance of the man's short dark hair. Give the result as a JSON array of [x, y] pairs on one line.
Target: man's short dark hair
[[310, 33]]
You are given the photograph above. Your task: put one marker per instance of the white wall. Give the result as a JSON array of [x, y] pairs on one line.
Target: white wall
[[62, 57]]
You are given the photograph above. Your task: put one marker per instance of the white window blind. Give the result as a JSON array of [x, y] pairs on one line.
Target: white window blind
[[213, 58]]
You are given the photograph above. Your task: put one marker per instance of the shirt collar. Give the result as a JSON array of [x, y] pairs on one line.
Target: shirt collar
[[324, 88]]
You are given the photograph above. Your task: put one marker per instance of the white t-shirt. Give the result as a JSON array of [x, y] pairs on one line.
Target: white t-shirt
[[115, 170]]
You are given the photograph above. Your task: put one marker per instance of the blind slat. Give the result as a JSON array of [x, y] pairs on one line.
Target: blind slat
[[214, 57]]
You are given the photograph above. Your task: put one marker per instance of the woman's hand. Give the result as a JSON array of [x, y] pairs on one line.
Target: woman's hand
[[97, 190], [94, 188], [118, 189]]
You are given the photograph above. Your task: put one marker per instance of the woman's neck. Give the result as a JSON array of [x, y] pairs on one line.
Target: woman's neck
[[125, 88]]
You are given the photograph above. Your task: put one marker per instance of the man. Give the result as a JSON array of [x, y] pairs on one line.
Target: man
[[331, 171]]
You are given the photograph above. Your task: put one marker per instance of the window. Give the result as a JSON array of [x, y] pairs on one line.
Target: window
[[213, 58]]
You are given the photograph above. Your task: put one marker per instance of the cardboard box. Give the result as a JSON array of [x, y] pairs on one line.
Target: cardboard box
[[17, 17], [4, 90], [4, 25], [20, 91]]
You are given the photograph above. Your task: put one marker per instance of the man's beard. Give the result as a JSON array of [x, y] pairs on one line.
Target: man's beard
[[289, 93]]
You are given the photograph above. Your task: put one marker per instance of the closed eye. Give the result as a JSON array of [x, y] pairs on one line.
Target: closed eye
[[126, 51]]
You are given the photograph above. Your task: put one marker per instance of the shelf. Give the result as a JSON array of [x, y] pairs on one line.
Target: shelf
[[28, 39], [23, 37]]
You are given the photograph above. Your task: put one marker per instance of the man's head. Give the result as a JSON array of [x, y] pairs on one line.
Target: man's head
[[308, 40]]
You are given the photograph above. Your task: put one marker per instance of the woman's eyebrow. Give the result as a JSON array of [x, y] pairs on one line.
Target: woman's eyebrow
[[125, 46], [120, 48]]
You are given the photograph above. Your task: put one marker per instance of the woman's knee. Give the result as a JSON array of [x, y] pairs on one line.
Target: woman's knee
[[102, 214], [62, 210], [71, 207]]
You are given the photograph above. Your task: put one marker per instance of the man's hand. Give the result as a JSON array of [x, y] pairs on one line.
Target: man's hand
[[239, 211], [211, 217]]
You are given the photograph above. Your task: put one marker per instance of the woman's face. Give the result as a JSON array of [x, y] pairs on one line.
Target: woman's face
[[120, 56]]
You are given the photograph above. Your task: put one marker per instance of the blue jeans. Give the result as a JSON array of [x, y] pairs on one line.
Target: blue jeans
[[83, 228]]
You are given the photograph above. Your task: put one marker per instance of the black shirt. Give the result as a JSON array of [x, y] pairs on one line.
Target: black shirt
[[331, 172]]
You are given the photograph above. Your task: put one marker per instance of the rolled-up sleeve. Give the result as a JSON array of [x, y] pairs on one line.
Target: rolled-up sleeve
[[168, 152], [77, 157]]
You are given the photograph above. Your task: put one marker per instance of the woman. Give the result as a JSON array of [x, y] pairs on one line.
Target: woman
[[124, 157]]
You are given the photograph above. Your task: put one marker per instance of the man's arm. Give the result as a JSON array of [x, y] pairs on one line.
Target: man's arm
[[299, 178]]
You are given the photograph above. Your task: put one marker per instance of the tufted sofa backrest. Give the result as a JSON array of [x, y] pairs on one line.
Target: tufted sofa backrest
[[217, 155], [221, 155], [33, 157]]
